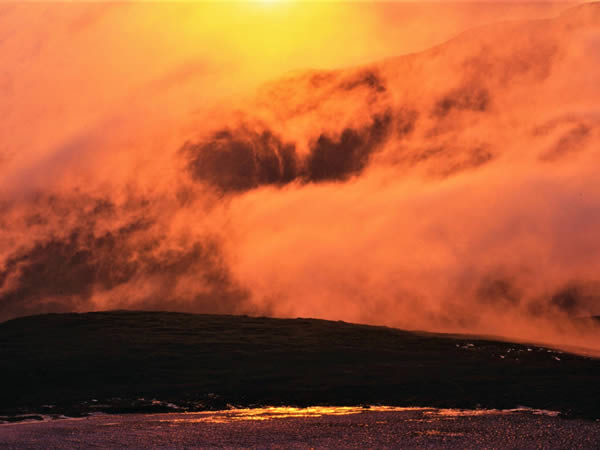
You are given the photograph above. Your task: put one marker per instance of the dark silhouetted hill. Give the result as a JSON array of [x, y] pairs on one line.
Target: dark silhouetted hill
[[128, 361]]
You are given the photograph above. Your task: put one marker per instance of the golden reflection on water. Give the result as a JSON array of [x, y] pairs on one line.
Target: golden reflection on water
[[482, 412], [286, 412], [283, 412]]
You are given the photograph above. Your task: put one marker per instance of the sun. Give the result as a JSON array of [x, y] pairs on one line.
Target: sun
[[271, 4]]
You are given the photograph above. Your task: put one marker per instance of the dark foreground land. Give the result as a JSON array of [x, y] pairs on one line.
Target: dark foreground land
[[364, 429], [122, 361]]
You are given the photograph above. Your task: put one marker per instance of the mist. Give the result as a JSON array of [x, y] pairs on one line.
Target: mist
[[452, 189]]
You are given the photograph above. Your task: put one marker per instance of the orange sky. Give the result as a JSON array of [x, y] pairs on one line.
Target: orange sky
[[70, 67], [286, 159]]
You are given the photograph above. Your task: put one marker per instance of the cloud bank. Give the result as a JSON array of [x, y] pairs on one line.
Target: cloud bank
[[450, 190]]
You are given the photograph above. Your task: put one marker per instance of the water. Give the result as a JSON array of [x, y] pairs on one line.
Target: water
[[324, 427]]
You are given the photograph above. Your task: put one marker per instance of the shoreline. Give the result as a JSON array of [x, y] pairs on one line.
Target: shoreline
[[282, 412]]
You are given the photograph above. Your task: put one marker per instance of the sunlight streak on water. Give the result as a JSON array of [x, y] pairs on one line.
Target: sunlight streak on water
[[285, 412], [481, 412], [318, 427]]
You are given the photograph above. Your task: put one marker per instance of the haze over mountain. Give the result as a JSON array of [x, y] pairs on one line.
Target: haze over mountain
[[452, 189]]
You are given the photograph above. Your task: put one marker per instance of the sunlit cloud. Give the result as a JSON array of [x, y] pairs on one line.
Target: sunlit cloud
[[340, 161]]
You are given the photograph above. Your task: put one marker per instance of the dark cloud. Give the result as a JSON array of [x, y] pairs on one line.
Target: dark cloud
[[63, 272], [470, 159], [448, 159], [567, 299], [570, 142], [339, 159], [321, 78], [240, 160], [499, 291], [368, 79], [406, 120], [469, 97], [577, 298], [574, 298]]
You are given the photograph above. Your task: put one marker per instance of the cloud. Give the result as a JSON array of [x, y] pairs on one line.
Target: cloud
[[447, 190], [107, 255], [240, 160]]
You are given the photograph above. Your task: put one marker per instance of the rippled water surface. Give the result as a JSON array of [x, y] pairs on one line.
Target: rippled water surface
[[330, 427]]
